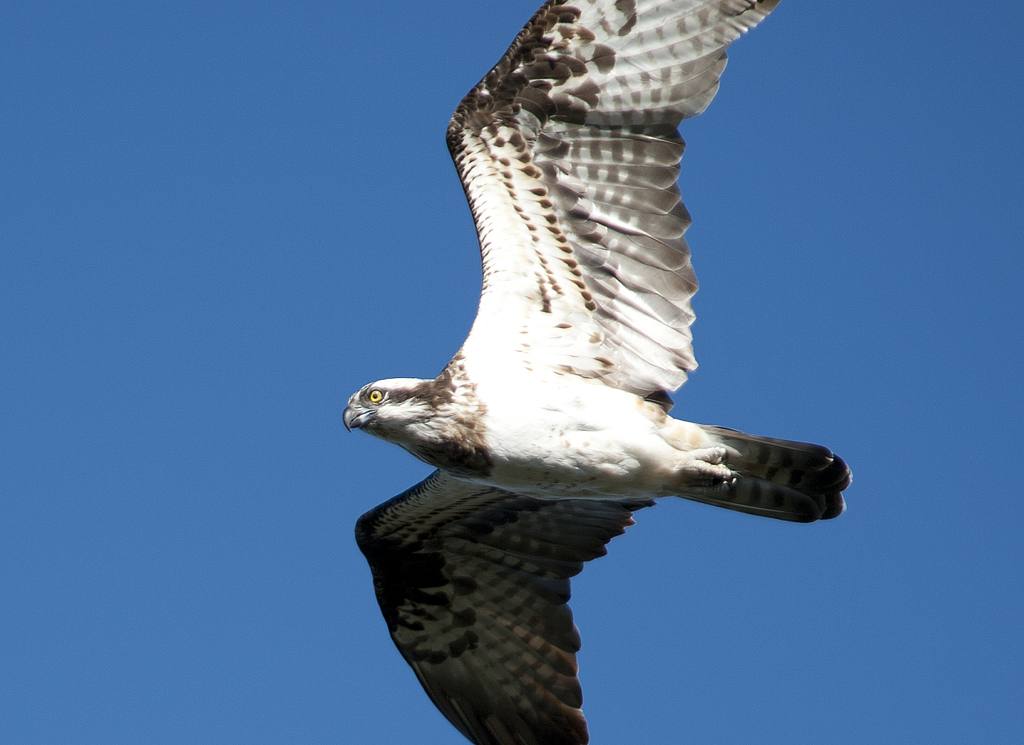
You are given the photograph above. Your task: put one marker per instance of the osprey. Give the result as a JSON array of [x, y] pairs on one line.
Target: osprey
[[551, 425]]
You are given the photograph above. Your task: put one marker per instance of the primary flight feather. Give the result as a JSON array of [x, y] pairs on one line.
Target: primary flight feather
[[550, 426]]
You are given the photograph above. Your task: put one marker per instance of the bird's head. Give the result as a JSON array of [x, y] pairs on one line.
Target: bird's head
[[387, 408]]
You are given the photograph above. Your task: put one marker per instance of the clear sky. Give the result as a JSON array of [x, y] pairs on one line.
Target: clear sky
[[219, 219]]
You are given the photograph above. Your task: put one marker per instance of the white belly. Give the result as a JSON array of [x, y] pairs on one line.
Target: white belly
[[570, 437]]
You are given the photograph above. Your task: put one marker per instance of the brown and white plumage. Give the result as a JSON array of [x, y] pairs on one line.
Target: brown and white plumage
[[473, 582], [569, 155], [551, 425]]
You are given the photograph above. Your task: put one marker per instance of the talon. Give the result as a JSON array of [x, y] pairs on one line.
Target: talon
[[713, 455], [708, 468]]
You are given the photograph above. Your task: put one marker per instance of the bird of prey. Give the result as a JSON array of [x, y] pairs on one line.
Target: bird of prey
[[551, 424]]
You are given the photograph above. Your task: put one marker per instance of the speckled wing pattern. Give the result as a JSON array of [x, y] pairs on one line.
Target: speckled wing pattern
[[568, 152], [473, 583]]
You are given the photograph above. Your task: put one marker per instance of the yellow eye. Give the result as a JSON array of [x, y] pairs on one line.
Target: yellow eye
[[376, 396]]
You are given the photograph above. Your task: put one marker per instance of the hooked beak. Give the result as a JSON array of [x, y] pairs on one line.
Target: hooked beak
[[356, 416]]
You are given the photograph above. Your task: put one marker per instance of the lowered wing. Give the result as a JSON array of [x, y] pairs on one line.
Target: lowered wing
[[473, 583]]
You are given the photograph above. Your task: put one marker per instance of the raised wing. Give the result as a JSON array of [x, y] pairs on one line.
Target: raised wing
[[473, 583], [569, 154]]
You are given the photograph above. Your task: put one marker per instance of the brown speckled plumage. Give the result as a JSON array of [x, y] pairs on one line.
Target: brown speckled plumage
[[544, 424], [474, 583]]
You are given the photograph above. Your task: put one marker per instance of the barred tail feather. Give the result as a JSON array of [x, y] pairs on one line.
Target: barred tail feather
[[786, 480]]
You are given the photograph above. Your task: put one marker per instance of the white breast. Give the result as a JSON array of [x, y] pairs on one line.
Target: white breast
[[551, 434]]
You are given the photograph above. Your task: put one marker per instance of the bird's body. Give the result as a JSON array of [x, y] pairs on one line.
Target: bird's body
[[581, 439], [551, 424], [588, 441]]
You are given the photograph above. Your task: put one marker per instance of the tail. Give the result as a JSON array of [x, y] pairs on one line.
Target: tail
[[786, 480]]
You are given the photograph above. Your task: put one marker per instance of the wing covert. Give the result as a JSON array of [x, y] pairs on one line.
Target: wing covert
[[473, 583], [568, 152]]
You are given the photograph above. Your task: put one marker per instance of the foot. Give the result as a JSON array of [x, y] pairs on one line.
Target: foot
[[707, 468]]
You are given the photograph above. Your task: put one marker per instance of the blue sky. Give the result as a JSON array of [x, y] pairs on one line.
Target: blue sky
[[217, 220]]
